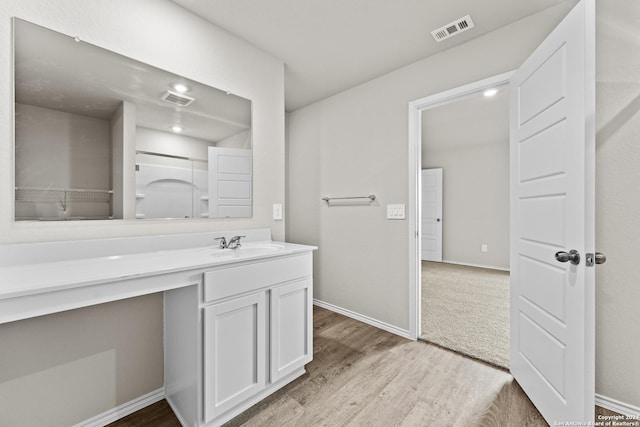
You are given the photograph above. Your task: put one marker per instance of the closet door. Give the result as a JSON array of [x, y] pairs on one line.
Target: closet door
[[230, 184], [432, 214]]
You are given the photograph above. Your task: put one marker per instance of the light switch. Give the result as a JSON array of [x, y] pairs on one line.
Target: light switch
[[395, 211], [277, 211]]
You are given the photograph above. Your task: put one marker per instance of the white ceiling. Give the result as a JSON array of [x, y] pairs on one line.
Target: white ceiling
[[332, 45]]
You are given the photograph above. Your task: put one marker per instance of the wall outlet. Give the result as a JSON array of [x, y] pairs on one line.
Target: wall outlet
[[277, 211], [483, 248], [395, 212]]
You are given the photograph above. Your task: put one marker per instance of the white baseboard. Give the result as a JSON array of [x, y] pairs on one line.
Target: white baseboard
[[364, 319], [123, 410], [617, 406], [490, 267]]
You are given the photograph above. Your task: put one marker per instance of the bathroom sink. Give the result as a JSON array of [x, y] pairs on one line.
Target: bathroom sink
[[221, 253], [262, 246], [248, 250]]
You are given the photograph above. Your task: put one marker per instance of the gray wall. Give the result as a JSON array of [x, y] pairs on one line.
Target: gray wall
[[618, 200], [119, 362], [356, 142], [61, 150], [469, 140], [60, 369]]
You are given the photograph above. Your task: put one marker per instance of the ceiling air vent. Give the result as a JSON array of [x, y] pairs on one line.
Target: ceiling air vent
[[456, 27], [177, 98]]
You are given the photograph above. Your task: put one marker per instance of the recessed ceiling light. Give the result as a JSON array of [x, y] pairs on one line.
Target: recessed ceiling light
[[180, 87], [490, 92], [176, 129]]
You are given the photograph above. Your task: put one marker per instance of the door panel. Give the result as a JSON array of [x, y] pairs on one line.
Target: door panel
[[543, 155], [543, 88], [548, 291], [552, 169]]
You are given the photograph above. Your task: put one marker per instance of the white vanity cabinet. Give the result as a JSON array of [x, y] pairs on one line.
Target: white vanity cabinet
[[237, 323], [256, 323]]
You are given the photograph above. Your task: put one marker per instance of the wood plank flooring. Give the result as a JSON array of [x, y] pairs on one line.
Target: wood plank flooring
[[363, 376], [157, 415]]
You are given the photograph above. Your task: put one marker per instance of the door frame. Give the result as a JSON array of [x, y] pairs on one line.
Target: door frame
[[416, 108]]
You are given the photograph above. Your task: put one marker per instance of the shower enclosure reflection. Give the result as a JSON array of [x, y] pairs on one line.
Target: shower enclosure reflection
[[102, 136]]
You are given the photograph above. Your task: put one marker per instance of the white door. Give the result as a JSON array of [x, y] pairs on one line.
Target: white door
[[431, 214], [234, 352], [230, 194], [552, 210], [291, 328]]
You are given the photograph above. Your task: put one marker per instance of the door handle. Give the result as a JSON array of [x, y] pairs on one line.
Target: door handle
[[573, 256], [437, 219], [600, 258], [597, 258]]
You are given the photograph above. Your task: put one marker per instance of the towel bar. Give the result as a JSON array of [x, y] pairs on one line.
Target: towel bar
[[371, 197]]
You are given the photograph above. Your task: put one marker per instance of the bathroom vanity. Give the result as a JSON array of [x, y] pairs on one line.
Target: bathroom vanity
[[237, 322]]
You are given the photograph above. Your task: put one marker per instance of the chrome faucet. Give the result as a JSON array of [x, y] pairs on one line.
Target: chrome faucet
[[234, 243], [223, 242]]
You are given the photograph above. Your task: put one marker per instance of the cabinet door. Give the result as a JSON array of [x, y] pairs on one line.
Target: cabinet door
[[291, 328], [234, 352]]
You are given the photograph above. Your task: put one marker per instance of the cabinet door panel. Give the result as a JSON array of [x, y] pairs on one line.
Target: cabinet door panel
[[291, 328], [234, 352]]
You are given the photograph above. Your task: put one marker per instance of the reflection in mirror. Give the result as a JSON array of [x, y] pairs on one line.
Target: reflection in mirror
[[85, 118]]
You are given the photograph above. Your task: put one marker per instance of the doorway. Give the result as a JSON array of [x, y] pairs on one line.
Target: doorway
[[439, 108], [465, 296]]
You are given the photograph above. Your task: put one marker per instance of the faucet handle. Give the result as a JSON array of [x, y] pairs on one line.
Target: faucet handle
[[223, 242], [234, 243]]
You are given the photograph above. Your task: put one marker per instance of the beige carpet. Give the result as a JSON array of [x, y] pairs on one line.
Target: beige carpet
[[466, 309]]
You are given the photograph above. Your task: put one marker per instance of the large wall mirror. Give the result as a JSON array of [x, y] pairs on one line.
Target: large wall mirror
[[86, 118]]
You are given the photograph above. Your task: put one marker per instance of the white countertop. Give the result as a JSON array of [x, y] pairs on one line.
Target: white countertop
[[42, 277]]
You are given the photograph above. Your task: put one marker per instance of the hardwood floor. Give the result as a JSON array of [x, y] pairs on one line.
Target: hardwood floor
[[363, 376], [157, 415]]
